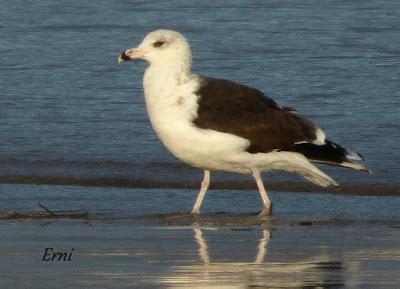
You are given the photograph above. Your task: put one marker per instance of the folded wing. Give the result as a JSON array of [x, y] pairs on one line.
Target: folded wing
[[237, 109]]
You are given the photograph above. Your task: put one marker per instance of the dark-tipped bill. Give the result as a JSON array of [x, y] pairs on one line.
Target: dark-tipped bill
[[131, 54], [123, 57]]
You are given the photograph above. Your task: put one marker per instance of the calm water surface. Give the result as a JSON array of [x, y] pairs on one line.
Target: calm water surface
[[122, 255], [69, 112], [65, 103]]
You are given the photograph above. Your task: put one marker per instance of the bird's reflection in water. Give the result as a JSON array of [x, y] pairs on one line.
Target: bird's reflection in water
[[318, 271]]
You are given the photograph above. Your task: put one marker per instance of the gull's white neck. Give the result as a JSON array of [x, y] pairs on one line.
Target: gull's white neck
[[170, 87], [171, 100], [163, 81]]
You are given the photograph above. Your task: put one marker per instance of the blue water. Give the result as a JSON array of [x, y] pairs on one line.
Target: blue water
[[65, 103], [119, 203], [69, 114]]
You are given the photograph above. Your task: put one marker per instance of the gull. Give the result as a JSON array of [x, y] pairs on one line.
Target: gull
[[219, 125]]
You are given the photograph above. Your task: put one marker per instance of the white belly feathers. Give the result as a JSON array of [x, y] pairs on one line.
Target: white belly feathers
[[172, 109]]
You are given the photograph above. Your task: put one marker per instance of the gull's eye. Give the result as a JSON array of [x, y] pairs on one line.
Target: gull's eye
[[158, 43]]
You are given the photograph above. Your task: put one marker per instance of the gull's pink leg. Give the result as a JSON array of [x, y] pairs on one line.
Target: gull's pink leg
[[204, 186], [267, 209]]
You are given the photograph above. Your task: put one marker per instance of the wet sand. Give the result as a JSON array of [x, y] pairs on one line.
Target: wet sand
[[217, 250]]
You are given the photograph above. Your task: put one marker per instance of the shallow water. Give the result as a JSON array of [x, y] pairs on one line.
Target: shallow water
[[114, 203], [64, 98], [123, 255], [70, 115]]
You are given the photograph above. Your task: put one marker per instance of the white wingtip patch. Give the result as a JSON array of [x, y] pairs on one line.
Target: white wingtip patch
[[319, 137], [353, 156]]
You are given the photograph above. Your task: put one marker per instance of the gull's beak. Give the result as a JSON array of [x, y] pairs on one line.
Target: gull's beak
[[131, 54]]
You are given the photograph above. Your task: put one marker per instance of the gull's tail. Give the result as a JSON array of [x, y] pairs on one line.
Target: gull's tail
[[332, 154]]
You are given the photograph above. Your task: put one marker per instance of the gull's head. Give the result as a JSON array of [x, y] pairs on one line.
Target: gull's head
[[160, 47]]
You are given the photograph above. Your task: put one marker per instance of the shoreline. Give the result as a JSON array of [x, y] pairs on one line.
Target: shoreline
[[359, 189], [247, 221]]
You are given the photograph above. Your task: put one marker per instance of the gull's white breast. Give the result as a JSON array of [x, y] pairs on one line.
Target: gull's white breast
[[172, 107]]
